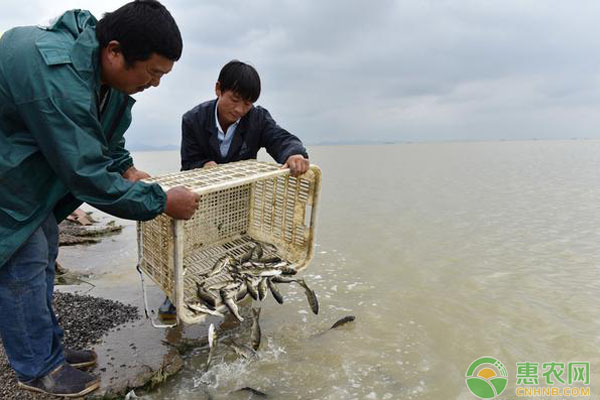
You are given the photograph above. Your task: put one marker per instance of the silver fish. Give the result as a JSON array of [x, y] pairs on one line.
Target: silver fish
[[205, 310], [311, 296], [343, 321], [253, 391], [227, 297], [283, 279], [262, 289], [206, 296], [255, 334], [275, 292], [245, 257], [251, 288], [243, 351], [269, 260], [257, 251], [212, 344], [261, 272], [221, 263]]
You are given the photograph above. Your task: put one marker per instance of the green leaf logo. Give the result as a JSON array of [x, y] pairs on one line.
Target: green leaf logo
[[486, 378]]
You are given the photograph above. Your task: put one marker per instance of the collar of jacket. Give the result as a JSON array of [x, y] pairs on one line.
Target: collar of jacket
[[80, 46]]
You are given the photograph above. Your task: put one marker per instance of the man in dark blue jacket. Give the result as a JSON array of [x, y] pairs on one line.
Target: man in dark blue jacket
[[230, 128]]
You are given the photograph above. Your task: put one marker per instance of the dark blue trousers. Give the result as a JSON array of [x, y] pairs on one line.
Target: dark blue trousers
[[29, 329]]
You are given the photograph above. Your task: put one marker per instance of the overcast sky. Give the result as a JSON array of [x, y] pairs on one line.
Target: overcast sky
[[336, 71]]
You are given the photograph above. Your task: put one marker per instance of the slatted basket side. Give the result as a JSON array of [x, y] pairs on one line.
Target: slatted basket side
[[282, 212], [155, 248]]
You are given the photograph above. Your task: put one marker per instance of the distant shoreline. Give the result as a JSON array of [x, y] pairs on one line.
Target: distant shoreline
[[383, 143]]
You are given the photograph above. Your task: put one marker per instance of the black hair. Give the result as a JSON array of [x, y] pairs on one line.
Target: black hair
[[142, 27], [240, 78]]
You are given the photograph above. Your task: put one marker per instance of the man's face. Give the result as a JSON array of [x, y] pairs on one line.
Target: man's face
[[231, 105], [136, 77]]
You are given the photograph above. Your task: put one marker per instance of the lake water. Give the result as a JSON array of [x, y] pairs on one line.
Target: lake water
[[444, 252]]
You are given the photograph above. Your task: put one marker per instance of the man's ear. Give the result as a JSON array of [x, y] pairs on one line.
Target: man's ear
[[113, 48], [218, 89]]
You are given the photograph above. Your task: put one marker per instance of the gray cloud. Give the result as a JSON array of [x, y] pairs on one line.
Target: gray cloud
[[385, 70]]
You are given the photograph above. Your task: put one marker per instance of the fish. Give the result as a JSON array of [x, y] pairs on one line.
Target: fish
[[131, 395], [343, 321], [255, 333], [262, 289], [283, 279], [275, 292], [227, 297], [253, 391], [205, 310], [212, 344], [261, 272], [251, 288], [287, 270], [245, 257], [311, 296], [257, 251], [221, 263], [269, 260], [243, 350], [206, 296]]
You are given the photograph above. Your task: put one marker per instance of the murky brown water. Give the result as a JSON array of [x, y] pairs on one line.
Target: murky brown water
[[444, 253]]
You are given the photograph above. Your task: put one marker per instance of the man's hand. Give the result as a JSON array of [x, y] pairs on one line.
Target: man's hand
[[181, 203], [134, 175], [297, 164], [209, 164]]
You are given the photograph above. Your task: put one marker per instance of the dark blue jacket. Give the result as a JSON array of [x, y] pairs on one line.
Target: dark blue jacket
[[200, 143]]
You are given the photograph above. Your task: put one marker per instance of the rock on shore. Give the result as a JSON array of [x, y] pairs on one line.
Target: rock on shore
[[85, 319]]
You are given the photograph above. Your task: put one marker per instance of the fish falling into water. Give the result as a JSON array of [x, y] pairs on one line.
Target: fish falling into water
[[255, 334], [231, 279], [212, 344]]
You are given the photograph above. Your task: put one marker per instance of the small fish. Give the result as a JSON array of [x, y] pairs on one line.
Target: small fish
[[311, 296], [269, 260], [262, 289], [253, 391], [221, 263], [255, 333], [251, 288], [283, 279], [205, 310], [243, 351], [257, 251], [245, 257], [212, 344], [131, 395], [275, 292], [227, 297], [241, 292], [206, 296], [343, 321], [261, 272], [287, 270]]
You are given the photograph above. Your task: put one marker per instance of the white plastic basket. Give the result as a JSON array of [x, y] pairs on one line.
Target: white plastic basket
[[240, 203]]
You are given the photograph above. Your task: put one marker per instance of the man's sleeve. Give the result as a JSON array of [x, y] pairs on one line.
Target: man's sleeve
[[71, 139], [280, 144], [193, 154], [122, 160]]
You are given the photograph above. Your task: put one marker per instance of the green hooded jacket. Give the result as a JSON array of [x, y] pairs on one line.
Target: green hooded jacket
[[57, 148]]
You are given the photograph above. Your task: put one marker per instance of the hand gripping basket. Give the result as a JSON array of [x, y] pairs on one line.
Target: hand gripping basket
[[240, 203]]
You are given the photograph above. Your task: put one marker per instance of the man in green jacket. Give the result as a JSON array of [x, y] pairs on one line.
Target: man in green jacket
[[64, 108]]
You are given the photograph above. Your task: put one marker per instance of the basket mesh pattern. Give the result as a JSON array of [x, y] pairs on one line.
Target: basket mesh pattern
[[240, 203]]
